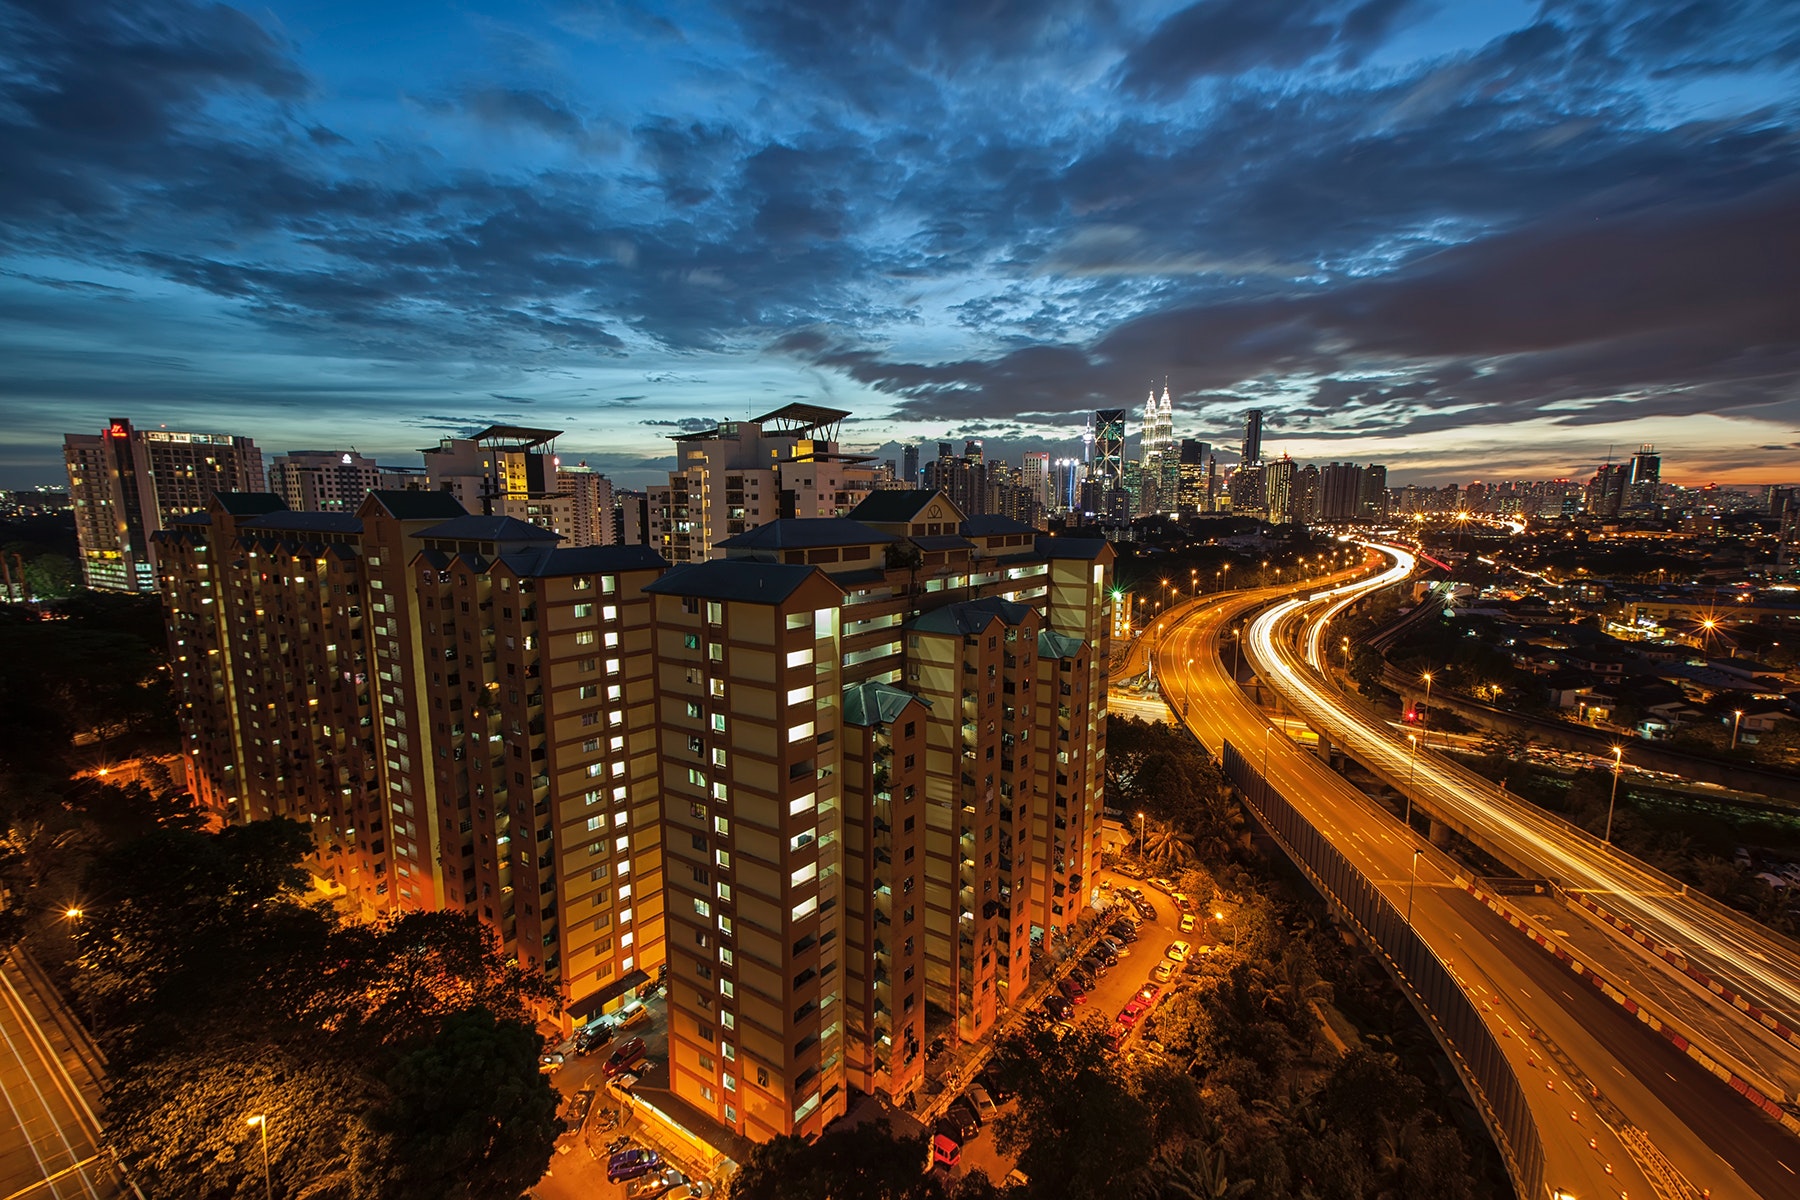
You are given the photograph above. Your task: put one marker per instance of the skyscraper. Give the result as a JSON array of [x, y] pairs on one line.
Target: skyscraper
[[1643, 486], [1278, 489], [1159, 481], [1037, 479], [127, 484], [1251, 454], [909, 457], [1340, 492], [1606, 490], [591, 521], [1373, 494], [1106, 465], [1192, 469]]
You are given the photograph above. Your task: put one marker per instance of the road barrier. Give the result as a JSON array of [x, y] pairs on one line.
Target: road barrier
[[1471, 1045]]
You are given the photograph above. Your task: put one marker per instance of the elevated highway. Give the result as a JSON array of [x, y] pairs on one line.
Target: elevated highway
[[1615, 1105]]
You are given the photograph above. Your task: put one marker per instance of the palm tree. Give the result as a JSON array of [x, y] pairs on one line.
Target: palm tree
[[1197, 1172], [1167, 849]]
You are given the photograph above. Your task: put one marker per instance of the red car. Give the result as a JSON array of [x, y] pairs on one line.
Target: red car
[[1072, 990], [628, 1055], [1148, 994], [1137, 1008]]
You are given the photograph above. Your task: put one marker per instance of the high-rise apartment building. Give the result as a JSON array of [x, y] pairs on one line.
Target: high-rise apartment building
[[460, 710], [323, 480], [127, 484], [1373, 502], [503, 471], [909, 458], [742, 474], [965, 478], [841, 777], [592, 514], [1606, 490]]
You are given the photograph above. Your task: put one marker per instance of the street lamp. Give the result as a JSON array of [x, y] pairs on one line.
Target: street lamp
[[1425, 713], [1346, 642], [1142, 836], [1412, 765], [261, 1122], [1737, 714], [1265, 766], [1618, 765]]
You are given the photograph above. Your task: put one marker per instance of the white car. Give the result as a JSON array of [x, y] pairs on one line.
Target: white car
[[1177, 951], [1163, 971], [1187, 922]]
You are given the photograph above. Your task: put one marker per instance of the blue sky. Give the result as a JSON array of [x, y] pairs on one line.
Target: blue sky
[[1466, 239]]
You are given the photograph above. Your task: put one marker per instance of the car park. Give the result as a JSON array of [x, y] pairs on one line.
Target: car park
[[1177, 951], [631, 1164], [629, 1053]]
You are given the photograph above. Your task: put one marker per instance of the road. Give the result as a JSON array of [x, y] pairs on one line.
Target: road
[[1286, 645], [1564, 1042], [49, 1143]]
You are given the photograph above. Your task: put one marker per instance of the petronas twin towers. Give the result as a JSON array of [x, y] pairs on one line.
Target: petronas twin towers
[[1160, 479]]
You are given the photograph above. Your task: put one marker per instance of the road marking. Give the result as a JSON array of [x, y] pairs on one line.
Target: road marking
[[1785, 1167]]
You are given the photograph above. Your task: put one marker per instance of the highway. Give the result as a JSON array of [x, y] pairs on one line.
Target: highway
[[1286, 646], [48, 1136], [1596, 1078]]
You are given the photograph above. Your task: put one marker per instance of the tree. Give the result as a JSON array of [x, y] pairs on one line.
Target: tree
[[1197, 1171], [1077, 1122], [1167, 849], [862, 1162], [467, 1117]]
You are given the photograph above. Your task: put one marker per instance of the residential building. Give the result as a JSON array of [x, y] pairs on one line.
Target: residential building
[[1340, 492], [323, 480], [592, 520], [504, 471], [126, 484], [1278, 489], [742, 474], [1037, 478], [1643, 490]]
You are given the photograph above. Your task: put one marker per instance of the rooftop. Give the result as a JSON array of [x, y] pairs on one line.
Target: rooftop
[[971, 616], [307, 522], [874, 703], [583, 560], [891, 506], [468, 528], [409, 505], [736, 579], [249, 504], [804, 533]]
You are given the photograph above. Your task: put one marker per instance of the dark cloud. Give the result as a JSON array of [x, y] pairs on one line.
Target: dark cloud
[[1230, 37], [685, 424]]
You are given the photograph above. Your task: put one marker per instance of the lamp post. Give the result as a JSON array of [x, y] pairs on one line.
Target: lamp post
[[1193, 581], [1425, 713], [1346, 642], [261, 1122], [1618, 765], [1265, 766], [1143, 838], [1737, 714]]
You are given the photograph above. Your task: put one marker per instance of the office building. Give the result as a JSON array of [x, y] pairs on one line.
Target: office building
[[1643, 483], [1373, 492], [323, 480], [1251, 453], [126, 484], [1278, 490], [1037, 478], [1606, 490], [964, 477], [1159, 481], [1340, 492], [910, 462], [1104, 493], [1191, 470]]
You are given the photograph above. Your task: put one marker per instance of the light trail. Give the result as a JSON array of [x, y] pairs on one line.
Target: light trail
[[1731, 950]]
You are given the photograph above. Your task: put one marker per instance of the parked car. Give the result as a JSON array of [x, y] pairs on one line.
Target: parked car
[[1094, 965], [1177, 951], [593, 1038], [649, 1187], [996, 1087], [1148, 993], [959, 1124], [1116, 945], [1105, 953], [630, 1052], [1187, 922], [1125, 930], [1116, 1035], [1075, 993], [1059, 1006], [1129, 870], [982, 1103], [965, 1106], [631, 1164], [633, 1015], [1082, 976], [1162, 972], [692, 1189], [1145, 909], [550, 1062], [1129, 1015]]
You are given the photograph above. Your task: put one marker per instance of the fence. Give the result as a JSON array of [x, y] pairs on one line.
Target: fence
[[1472, 1046]]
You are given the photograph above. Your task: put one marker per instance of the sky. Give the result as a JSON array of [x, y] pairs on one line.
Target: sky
[[1467, 239]]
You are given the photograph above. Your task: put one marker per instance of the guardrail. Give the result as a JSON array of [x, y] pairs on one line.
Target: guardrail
[[1453, 1017]]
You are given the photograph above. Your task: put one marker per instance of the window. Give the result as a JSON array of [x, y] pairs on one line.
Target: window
[[718, 722], [727, 1020], [584, 637], [726, 989], [691, 641], [715, 612], [584, 610], [706, 1093], [693, 710], [590, 718], [590, 664], [704, 909], [590, 691]]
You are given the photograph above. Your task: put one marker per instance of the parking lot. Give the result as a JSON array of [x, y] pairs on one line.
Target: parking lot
[[1110, 994]]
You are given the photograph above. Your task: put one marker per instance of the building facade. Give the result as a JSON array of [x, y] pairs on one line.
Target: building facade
[[126, 484], [323, 480]]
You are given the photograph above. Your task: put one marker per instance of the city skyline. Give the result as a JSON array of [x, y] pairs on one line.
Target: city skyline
[[1459, 239]]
